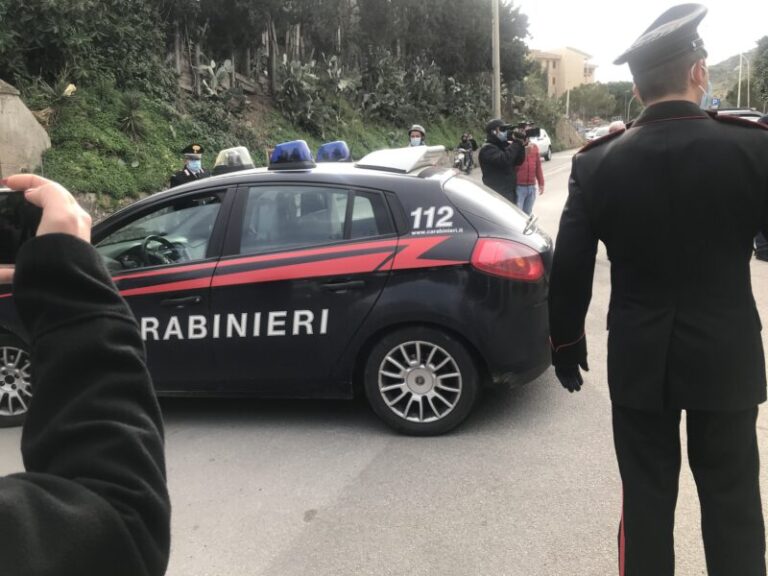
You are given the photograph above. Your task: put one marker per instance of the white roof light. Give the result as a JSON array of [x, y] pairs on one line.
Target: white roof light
[[402, 160]]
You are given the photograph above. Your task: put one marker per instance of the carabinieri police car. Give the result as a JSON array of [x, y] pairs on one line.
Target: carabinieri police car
[[388, 276]]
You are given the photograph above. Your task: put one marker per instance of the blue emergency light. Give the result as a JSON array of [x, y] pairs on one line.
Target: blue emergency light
[[293, 155], [336, 151]]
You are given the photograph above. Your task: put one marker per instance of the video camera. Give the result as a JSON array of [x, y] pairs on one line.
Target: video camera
[[525, 130]]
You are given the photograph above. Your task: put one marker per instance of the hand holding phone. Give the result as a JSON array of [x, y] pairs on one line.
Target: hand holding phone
[[31, 205]]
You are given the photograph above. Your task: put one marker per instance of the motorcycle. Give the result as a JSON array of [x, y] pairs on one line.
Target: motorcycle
[[462, 160]]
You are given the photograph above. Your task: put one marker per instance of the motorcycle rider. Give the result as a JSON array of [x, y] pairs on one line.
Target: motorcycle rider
[[502, 152], [417, 135]]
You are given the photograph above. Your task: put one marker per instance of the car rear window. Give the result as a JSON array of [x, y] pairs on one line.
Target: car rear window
[[474, 198]]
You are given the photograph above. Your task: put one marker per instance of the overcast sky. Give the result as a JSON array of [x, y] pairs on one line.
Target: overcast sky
[[605, 29]]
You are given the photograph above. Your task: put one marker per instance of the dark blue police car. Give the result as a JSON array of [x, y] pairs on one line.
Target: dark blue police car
[[322, 280]]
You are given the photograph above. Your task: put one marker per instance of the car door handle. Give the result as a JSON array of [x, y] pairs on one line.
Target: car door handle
[[341, 286], [181, 302]]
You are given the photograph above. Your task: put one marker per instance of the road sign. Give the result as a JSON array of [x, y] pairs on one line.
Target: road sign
[[715, 102]]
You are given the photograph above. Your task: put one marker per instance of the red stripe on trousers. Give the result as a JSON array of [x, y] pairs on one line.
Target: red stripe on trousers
[[622, 540]]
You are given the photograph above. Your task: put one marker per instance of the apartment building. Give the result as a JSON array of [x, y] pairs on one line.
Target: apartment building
[[565, 69]]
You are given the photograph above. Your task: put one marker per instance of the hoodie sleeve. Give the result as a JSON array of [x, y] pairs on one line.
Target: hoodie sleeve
[[93, 499]]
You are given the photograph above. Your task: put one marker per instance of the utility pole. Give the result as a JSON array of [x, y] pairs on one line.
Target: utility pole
[[748, 87], [738, 97], [496, 60]]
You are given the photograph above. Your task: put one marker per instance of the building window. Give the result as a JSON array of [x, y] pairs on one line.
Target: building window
[[554, 64], [554, 81]]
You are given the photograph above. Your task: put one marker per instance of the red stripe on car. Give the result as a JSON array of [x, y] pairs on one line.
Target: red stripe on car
[[169, 287], [411, 255], [310, 252], [332, 267]]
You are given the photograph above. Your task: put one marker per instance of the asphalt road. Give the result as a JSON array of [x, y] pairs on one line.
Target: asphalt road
[[527, 486]]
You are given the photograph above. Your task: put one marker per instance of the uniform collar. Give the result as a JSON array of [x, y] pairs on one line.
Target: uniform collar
[[670, 110]]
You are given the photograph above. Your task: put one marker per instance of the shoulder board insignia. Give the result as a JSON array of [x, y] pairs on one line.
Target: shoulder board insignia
[[731, 119]]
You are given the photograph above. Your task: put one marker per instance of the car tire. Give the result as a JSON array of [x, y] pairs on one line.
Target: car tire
[[548, 155], [421, 381], [15, 381]]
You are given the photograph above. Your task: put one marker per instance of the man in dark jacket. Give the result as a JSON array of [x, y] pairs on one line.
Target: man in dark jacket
[[502, 152], [93, 499], [684, 333]]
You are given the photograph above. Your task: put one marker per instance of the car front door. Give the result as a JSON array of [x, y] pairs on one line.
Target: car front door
[[306, 265], [162, 260]]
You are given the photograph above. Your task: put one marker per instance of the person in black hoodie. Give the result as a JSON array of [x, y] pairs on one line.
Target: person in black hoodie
[[499, 157], [93, 500]]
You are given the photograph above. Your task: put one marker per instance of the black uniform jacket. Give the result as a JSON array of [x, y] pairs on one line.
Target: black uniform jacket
[[93, 500], [498, 161], [186, 175], [677, 200]]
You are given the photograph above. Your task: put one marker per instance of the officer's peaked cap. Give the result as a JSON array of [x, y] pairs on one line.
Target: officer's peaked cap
[[672, 34]]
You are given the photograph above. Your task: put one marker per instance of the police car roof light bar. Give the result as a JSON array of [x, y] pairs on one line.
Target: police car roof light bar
[[402, 160], [293, 155], [336, 151]]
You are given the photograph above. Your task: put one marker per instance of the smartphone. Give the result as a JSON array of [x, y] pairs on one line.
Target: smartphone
[[19, 220]]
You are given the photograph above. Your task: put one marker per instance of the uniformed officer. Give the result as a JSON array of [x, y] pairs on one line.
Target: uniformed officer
[[193, 167], [677, 199]]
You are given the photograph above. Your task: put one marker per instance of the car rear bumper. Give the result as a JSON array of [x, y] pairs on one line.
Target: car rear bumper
[[510, 328]]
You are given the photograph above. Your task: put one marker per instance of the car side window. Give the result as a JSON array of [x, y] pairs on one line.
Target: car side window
[[284, 217], [175, 232], [370, 216]]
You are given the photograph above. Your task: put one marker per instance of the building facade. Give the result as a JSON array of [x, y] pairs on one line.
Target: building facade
[[565, 69]]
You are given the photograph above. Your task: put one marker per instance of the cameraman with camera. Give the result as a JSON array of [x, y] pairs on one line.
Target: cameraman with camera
[[499, 157]]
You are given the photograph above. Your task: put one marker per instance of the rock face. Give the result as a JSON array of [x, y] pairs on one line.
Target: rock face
[[22, 139]]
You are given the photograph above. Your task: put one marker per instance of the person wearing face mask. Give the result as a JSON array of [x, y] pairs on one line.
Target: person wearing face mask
[[676, 199], [503, 151], [193, 166], [417, 136]]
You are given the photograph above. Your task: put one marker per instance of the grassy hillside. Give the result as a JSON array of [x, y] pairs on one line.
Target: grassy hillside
[[117, 147]]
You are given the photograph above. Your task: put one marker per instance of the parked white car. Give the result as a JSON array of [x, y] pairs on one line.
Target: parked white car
[[598, 132], [544, 143]]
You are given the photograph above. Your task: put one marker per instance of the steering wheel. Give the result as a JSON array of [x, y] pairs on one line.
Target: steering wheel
[[151, 257]]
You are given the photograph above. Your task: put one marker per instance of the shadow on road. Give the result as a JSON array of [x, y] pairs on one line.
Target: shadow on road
[[496, 408]]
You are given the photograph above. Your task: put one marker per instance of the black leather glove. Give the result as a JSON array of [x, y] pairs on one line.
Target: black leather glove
[[570, 376]]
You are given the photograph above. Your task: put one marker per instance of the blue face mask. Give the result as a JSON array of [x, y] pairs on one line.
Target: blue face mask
[[503, 135], [706, 95], [415, 141], [194, 166]]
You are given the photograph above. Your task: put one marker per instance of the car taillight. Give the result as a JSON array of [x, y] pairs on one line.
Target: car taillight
[[507, 259]]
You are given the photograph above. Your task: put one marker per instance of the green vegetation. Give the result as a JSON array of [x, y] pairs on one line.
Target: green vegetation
[[123, 145], [152, 76], [358, 70]]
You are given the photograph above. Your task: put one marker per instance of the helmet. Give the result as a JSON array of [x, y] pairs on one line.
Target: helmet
[[418, 128]]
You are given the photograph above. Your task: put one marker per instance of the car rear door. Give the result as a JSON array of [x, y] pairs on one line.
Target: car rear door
[[162, 259], [306, 264]]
